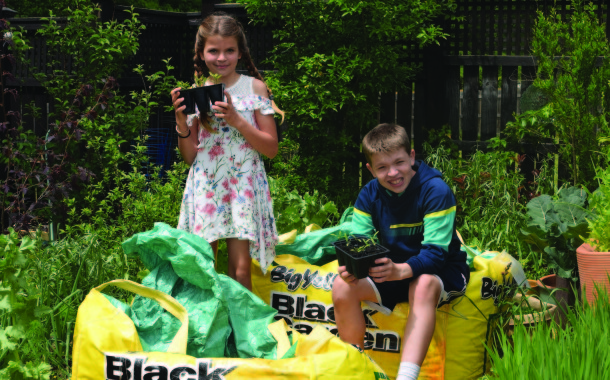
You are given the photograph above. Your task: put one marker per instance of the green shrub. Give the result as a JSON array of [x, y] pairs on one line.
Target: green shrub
[[491, 199], [331, 59]]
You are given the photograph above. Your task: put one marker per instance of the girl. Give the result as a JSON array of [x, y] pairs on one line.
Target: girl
[[227, 194]]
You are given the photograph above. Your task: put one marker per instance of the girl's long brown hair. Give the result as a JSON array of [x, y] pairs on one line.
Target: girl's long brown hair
[[224, 25]]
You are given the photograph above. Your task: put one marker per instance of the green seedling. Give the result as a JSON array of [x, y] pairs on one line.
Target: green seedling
[[215, 78]]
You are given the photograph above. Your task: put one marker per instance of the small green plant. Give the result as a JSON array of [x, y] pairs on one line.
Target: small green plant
[[215, 78], [199, 80], [357, 243]]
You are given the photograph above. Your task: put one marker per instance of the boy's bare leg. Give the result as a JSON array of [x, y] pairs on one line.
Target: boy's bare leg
[[424, 293], [240, 261], [348, 312]]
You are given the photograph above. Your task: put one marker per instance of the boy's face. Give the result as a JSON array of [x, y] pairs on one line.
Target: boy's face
[[394, 169]]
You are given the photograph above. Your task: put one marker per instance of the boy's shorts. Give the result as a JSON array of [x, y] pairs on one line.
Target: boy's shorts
[[390, 293]]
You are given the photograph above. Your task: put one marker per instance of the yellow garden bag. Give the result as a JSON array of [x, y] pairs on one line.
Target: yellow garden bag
[[107, 346], [302, 295], [301, 292]]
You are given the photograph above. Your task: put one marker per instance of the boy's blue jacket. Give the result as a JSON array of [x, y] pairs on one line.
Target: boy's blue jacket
[[417, 226]]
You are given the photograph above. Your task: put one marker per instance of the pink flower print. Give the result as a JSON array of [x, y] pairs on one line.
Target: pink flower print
[[226, 198], [225, 184], [233, 180], [216, 149], [248, 193], [223, 123], [268, 196], [209, 194], [198, 228], [233, 194], [209, 209], [204, 132], [200, 150], [245, 146], [250, 181]]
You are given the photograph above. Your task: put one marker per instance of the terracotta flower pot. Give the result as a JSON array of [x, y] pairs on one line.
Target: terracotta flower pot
[[594, 268]]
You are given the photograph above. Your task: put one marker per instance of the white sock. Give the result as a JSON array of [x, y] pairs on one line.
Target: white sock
[[408, 371]]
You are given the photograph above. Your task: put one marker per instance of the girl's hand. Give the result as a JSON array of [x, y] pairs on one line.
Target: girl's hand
[[178, 108], [346, 276], [225, 110], [389, 271]]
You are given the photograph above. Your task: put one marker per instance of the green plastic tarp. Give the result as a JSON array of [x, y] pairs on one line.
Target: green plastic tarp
[[225, 319]]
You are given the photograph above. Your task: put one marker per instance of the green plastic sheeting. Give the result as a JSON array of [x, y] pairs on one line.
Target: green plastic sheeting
[[225, 319], [316, 247]]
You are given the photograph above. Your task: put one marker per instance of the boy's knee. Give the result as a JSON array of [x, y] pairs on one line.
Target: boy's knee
[[341, 290], [427, 286]]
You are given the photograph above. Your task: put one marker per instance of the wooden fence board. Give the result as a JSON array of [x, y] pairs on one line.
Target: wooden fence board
[[509, 95], [489, 102], [470, 103], [419, 115], [387, 107], [453, 97], [404, 105]]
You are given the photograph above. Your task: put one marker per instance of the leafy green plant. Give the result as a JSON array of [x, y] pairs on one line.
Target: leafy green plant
[[540, 352], [293, 211], [576, 84], [20, 307], [555, 227]]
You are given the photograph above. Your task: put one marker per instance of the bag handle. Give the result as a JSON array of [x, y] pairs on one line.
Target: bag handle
[[167, 302]]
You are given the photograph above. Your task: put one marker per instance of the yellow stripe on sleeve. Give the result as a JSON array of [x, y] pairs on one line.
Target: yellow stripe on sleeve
[[441, 213], [361, 212]]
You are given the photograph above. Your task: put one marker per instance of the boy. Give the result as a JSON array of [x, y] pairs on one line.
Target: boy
[[413, 210]]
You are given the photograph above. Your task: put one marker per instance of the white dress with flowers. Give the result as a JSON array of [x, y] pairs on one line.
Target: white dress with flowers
[[227, 193]]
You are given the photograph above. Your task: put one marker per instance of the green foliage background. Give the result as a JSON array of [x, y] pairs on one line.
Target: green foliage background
[[40, 8], [332, 58]]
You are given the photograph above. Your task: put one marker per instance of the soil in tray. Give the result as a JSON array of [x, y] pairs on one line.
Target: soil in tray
[[356, 261]]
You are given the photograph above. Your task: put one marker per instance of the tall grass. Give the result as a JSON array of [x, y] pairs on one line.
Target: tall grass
[[548, 351]]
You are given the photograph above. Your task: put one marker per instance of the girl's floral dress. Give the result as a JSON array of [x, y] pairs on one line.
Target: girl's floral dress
[[227, 193]]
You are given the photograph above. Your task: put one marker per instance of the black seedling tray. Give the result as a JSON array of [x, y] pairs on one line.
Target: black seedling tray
[[201, 96], [358, 263]]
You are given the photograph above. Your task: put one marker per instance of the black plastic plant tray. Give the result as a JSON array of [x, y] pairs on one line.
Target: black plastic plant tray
[[358, 263], [201, 96]]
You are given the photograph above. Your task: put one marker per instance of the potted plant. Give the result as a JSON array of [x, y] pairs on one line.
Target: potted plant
[[358, 254], [594, 255], [202, 95], [554, 228]]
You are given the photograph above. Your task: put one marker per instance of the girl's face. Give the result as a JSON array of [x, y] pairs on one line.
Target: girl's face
[[221, 55]]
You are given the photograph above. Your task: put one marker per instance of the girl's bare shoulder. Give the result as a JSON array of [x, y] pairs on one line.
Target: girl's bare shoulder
[[260, 88]]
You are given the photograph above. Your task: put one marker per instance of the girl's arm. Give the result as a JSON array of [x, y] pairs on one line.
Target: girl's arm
[[264, 140], [187, 146]]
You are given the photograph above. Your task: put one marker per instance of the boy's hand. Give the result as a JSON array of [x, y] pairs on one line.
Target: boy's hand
[[346, 276], [389, 270]]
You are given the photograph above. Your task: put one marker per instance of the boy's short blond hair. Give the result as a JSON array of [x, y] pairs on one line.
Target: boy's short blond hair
[[385, 138]]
